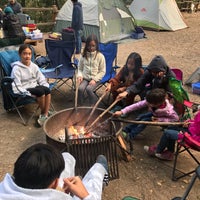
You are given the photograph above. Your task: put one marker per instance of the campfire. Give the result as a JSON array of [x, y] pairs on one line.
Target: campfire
[[74, 132], [66, 130]]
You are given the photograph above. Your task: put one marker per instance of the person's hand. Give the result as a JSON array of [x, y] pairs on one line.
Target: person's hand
[[79, 79], [121, 89], [154, 119], [186, 123], [117, 113], [122, 95], [75, 186], [108, 88], [160, 74], [92, 82]]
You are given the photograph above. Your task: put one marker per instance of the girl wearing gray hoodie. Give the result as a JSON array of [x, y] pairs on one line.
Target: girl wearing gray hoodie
[[29, 80]]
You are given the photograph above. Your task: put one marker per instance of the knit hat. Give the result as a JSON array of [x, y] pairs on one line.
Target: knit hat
[[158, 64], [8, 10]]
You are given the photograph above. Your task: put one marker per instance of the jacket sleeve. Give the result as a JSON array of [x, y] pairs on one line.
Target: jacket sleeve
[[40, 77], [116, 80], [140, 84], [101, 68], [135, 106]]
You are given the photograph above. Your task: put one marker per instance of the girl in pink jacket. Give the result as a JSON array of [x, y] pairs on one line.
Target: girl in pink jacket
[[159, 110]]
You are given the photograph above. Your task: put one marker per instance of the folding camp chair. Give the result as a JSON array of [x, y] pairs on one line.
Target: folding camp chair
[[188, 189], [61, 68], [194, 77], [109, 50], [12, 101], [189, 145]]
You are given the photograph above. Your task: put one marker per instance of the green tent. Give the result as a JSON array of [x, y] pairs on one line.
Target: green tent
[[109, 20]]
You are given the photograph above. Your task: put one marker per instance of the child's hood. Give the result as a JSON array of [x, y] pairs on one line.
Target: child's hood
[[18, 63], [158, 64]]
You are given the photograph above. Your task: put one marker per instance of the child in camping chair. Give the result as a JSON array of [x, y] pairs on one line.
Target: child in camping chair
[[165, 148], [160, 109], [29, 80], [131, 71]]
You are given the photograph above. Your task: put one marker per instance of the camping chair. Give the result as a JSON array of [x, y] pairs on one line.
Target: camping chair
[[194, 77], [12, 101], [109, 50], [180, 96], [188, 189], [189, 145], [60, 68]]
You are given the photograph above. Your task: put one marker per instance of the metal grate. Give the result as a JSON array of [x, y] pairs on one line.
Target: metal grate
[[86, 150]]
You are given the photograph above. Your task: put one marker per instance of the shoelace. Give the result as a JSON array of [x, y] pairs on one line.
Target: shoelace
[[106, 179]]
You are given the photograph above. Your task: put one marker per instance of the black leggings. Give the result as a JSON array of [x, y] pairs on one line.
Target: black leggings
[[39, 91]]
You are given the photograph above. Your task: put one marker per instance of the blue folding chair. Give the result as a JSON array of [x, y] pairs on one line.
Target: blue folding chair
[[109, 50], [61, 68], [12, 101]]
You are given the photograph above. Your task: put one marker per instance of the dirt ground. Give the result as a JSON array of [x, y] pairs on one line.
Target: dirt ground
[[144, 177]]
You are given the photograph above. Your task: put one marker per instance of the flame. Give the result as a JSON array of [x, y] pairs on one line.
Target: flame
[[76, 131]]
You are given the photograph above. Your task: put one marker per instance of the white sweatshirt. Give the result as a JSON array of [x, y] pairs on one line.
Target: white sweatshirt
[[26, 77]]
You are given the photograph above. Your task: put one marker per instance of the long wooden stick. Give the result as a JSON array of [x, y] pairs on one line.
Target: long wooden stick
[[149, 122], [102, 114], [76, 95], [94, 108]]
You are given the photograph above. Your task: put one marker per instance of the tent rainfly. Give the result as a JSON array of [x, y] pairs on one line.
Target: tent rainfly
[[110, 20], [157, 14]]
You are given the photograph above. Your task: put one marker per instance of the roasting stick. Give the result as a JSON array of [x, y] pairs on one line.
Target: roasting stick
[[149, 122], [101, 115], [76, 95], [94, 108]]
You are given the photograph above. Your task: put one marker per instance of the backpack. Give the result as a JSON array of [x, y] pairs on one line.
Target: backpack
[[42, 61]]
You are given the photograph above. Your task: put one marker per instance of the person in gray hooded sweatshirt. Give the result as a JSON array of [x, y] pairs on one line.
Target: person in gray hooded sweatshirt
[[156, 75], [29, 80]]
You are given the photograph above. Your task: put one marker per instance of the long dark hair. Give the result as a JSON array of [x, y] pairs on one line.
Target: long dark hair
[[138, 65], [87, 43]]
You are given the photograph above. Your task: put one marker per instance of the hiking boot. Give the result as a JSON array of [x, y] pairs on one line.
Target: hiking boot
[[165, 155], [150, 150], [42, 119], [101, 159]]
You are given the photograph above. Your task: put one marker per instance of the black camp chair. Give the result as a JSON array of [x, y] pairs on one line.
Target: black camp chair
[[187, 191]]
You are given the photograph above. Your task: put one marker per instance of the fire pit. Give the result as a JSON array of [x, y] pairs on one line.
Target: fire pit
[[62, 131]]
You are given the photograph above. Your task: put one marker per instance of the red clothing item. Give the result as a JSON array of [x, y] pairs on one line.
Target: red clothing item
[[122, 80]]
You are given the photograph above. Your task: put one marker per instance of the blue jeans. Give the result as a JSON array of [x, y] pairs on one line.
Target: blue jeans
[[135, 129], [168, 139], [78, 41]]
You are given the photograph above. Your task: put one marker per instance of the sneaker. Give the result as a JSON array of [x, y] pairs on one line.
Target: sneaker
[[103, 161], [150, 150], [126, 136], [51, 112], [42, 119], [166, 155]]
